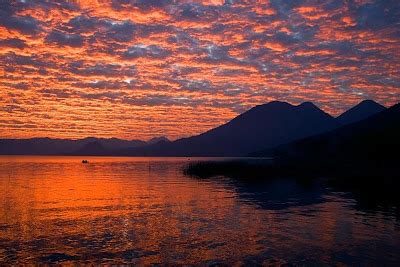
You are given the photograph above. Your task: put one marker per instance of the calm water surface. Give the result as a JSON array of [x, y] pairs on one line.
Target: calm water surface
[[145, 211]]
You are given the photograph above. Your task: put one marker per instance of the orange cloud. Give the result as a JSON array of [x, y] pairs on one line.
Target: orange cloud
[[139, 70]]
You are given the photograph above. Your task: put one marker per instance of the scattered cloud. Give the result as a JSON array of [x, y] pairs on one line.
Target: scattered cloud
[[182, 67]]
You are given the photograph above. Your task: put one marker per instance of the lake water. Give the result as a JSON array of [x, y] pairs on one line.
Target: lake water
[[146, 211]]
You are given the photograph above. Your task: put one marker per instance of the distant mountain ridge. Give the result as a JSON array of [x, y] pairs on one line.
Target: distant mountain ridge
[[262, 127], [156, 140], [49, 146], [92, 148]]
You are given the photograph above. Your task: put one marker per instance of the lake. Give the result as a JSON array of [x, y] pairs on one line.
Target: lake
[[146, 211]]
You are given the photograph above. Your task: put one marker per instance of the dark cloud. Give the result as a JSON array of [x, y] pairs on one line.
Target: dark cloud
[[12, 42], [144, 4], [195, 11], [108, 96], [378, 14], [45, 4], [160, 100], [220, 54], [231, 72], [109, 30], [195, 85], [211, 56], [18, 86], [102, 69], [183, 38], [101, 85], [58, 93], [64, 39], [12, 59], [178, 71], [284, 8], [141, 50], [24, 24], [21, 86], [217, 52], [122, 32], [83, 23], [105, 30]]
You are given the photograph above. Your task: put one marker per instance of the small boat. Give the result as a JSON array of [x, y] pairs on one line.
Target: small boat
[[85, 161]]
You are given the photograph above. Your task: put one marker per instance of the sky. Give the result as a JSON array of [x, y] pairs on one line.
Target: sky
[[137, 69]]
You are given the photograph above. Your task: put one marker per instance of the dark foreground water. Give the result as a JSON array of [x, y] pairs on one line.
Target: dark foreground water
[[145, 211]]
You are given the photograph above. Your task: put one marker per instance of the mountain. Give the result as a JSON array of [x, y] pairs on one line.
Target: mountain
[[36, 146], [374, 140], [115, 143], [265, 125], [359, 112], [92, 149], [48, 146], [156, 140]]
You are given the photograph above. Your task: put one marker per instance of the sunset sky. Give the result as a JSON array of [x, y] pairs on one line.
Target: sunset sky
[[143, 68]]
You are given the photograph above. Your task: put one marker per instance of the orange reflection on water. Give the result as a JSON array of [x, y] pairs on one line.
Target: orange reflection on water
[[145, 211]]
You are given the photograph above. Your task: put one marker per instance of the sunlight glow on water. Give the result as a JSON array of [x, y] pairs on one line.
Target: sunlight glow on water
[[145, 211]]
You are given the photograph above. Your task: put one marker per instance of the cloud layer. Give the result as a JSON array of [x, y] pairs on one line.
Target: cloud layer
[[142, 68]]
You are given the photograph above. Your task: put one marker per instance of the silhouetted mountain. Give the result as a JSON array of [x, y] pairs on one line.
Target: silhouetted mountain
[[265, 125], [48, 146], [374, 140], [92, 149], [359, 112], [361, 158], [36, 146], [156, 140], [115, 143]]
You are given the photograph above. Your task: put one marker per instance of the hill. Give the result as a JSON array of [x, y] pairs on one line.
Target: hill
[[375, 140], [265, 125], [359, 112]]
